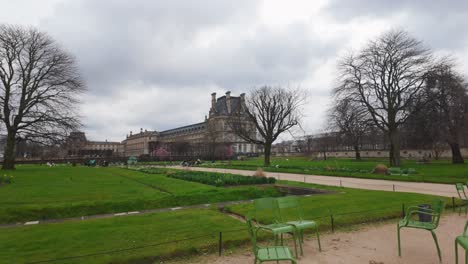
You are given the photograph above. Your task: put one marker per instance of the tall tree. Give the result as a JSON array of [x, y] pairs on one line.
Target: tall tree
[[351, 120], [447, 97], [386, 77], [38, 89], [270, 111]]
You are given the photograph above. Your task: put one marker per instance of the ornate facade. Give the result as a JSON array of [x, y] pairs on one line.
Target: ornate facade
[[213, 132]]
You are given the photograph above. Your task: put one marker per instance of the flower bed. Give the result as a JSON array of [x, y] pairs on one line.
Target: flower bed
[[212, 178]]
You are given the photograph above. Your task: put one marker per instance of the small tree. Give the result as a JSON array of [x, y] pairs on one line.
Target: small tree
[[351, 120], [39, 83], [270, 111], [386, 77], [161, 153]]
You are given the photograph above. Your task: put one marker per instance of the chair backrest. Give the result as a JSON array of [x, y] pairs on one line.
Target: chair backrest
[[460, 190], [289, 206], [438, 207], [252, 233], [266, 209]]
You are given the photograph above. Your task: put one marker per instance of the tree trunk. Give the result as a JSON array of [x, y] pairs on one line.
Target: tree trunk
[[9, 152], [267, 154], [357, 152], [394, 137], [456, 154]]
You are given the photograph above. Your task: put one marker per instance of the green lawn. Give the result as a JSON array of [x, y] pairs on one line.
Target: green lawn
[[350, 206], [40, 192], [49, 241], [65, 191], [441, 171]]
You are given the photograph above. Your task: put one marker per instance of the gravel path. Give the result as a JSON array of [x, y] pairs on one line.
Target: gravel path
[[369, 244], [368, 184]]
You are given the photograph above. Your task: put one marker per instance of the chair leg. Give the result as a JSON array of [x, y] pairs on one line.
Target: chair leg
[[301, 241], [437, 244], [318, 239], [466, 257], [295, 242], [399, 244], [456, 252]]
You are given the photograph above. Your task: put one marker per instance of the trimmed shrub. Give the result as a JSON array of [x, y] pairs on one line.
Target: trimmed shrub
[[259, 173], [380, 169]]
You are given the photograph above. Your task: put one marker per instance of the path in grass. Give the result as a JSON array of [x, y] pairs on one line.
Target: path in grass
[[447, 190], [219, 206]]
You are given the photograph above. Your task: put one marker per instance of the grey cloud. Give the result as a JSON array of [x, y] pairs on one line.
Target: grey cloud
[[440, 24], [155, 42]]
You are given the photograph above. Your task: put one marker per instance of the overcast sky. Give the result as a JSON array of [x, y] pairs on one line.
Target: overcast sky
[[153, 64]]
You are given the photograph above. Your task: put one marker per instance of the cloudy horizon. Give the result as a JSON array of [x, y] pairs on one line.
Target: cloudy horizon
[[154, 64]]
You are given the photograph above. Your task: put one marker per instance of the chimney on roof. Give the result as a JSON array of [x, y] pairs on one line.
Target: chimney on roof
[[130, 133], [242, 100], [213, 101], [228, 101], [141, 130]]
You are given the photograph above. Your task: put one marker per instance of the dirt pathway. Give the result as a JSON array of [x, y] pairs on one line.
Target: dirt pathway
[[370, 244], [368, 184]]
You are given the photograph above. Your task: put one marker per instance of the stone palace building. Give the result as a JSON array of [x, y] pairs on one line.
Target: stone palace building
[[194, 139]]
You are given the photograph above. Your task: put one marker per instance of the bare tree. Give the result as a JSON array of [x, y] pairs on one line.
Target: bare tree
[[270, 111], [448, 100], [351, 120], [386, 77], [39, 85]]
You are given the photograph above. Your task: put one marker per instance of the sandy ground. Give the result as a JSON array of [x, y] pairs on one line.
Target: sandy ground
[[369, 244], [368, 184]]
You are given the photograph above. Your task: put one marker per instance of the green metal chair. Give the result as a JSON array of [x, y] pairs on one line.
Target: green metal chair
[[462, 195], [270, 253], [463, 241], [409, 221], [290, 208], [267, 209]]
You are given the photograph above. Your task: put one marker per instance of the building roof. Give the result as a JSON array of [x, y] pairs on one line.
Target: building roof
[[184, 129], [221, 105]]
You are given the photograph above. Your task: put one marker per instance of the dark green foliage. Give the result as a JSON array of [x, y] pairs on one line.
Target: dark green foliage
[[212, 178], [6, 179]]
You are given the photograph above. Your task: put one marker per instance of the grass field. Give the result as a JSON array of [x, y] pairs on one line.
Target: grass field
[[40, 192], [64, 191], [60, 240], [441, 171], [52, 241]]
